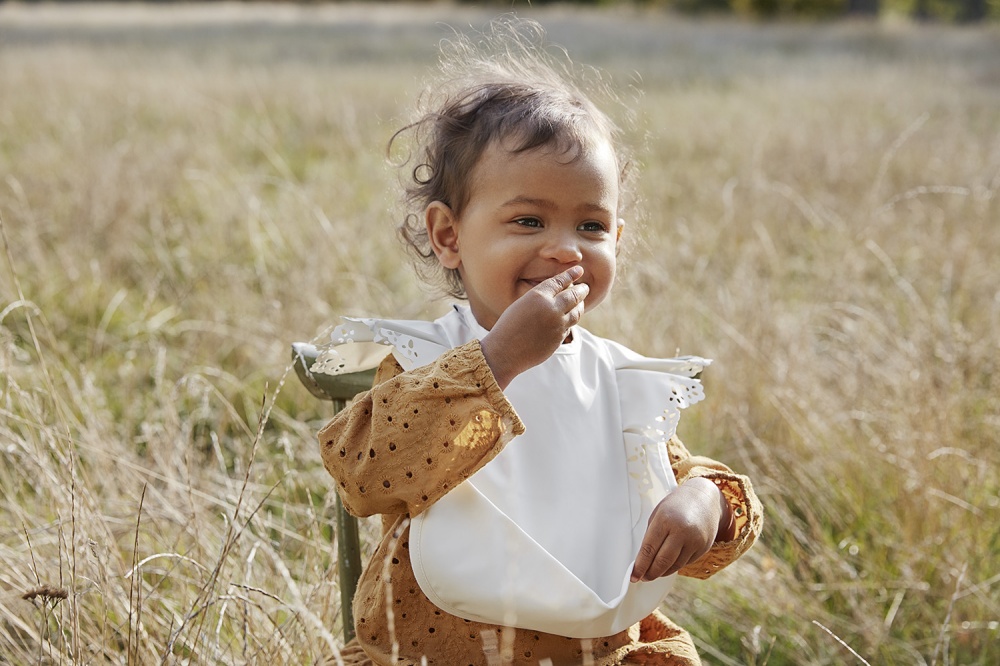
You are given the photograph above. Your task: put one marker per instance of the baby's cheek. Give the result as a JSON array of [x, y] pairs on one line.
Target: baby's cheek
[[599, 289], [594, 299]]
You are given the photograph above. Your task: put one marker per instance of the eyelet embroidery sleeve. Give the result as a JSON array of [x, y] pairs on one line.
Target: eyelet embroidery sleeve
[[743, 501], [415, 435]]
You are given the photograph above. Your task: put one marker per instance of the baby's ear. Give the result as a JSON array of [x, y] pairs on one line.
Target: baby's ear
[[442, 231]]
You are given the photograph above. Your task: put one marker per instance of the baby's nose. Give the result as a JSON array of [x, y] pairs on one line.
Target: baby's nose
[[564, 248]]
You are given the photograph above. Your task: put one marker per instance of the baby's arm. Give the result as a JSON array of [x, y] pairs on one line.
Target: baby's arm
[[711, 519], [416, 435]]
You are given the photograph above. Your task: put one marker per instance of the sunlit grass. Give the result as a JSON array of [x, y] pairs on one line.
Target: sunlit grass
[[182, 201]]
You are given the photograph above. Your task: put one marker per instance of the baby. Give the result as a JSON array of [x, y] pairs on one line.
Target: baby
[[535, 500]]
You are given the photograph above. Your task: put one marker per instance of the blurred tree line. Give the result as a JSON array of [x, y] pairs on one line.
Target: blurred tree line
[[950, 11]]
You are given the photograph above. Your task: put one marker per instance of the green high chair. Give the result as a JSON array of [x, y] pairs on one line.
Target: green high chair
[[338, 389]]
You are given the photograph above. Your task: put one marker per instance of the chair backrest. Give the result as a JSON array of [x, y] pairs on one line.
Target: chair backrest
[[328, 387], [338, 389]]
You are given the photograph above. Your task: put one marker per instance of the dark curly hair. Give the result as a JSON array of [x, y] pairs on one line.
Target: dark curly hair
[[503, 87]]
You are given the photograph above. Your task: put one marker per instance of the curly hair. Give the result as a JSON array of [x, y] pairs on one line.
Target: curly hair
[[504, 87]]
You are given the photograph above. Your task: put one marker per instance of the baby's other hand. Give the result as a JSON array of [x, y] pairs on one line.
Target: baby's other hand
[[533, 326], [681, 529]]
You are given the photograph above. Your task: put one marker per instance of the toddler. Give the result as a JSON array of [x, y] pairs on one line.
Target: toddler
[[535, 500]]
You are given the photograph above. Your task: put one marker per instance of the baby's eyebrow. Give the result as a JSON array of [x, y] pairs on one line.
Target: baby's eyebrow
[[530, 201], [545, 203]]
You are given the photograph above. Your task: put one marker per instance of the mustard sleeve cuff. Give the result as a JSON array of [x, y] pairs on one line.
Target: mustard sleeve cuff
[[747, 512], [739, 493]]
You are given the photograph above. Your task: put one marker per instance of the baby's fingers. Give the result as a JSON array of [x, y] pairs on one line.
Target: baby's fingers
[[560, 283], [572, 299], [652, 555]]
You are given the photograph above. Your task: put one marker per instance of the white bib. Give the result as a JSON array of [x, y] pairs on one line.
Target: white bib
[[545, 535]]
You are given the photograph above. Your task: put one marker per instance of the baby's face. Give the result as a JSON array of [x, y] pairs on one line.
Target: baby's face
[[531, 216]]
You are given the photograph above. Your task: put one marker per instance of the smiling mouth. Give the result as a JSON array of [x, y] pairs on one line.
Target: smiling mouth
[[534, 282], [531, 283]]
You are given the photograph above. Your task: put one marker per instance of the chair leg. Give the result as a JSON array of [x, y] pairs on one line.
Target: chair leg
[[348, 565], [338, 389]]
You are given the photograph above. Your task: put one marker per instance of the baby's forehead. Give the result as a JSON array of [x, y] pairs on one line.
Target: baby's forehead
[[503, 172], [522, 147]]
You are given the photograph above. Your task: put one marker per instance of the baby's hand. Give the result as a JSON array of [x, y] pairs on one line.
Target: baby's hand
[[534, 325], [681, 529]]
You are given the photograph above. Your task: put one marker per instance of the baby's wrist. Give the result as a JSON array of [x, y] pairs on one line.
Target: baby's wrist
[[498, 362], [726, 521]]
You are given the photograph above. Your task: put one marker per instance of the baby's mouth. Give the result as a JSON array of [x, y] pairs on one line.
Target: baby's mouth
[[534, 282]]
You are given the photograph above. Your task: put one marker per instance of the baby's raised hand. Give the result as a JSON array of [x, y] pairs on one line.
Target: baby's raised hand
[[682, 528], [534, 325]]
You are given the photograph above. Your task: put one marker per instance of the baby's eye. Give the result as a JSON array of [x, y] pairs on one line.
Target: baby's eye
[[593, 226], [532, 222]]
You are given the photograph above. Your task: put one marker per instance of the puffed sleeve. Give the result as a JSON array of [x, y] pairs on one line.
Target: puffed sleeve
[[737, 490], [415, 435]]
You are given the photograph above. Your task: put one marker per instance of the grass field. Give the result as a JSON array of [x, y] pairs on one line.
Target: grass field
[[185, 191]]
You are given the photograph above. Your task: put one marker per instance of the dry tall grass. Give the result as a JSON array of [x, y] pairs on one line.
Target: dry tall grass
[[187, 191]]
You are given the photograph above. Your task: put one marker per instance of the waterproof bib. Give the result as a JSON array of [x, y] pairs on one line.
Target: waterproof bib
[[545, 535]]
